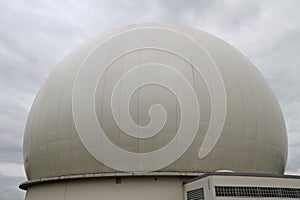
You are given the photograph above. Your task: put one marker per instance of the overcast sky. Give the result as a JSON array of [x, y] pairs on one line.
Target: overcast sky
[[36, 35]]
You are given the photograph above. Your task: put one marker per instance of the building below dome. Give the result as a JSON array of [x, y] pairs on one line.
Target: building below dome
[[146, 112], [208, 186], [242, 186]]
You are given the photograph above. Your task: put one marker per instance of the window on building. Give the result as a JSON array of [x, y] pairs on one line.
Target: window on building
[[260, 192]]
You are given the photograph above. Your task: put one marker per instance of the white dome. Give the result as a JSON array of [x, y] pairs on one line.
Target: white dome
[[154, 98]]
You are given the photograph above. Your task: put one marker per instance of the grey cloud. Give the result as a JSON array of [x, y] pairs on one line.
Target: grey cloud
[[8, 187]]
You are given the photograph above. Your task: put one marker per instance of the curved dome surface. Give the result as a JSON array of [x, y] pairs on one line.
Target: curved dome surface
[[154, 98]]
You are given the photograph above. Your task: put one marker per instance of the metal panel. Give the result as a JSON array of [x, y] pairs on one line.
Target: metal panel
[[257, 192], [197, 194]]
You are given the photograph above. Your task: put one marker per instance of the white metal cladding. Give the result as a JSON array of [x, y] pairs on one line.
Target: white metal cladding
[[62, 136]]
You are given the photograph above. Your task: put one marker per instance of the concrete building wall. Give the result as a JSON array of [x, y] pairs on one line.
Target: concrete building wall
[[130, 188]]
